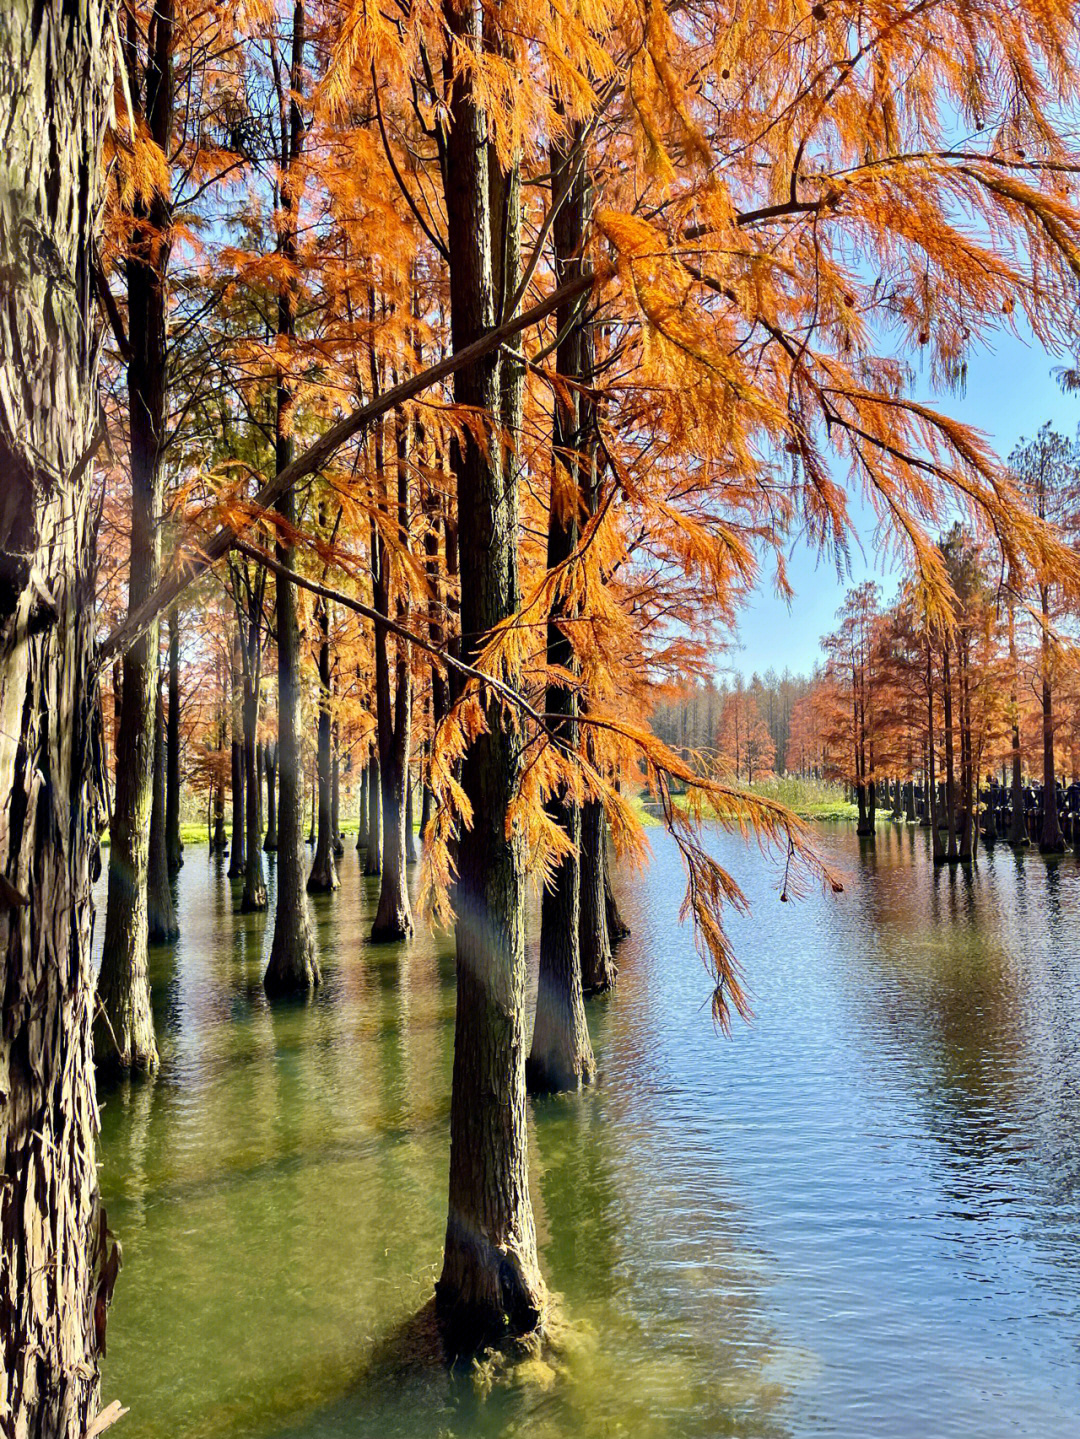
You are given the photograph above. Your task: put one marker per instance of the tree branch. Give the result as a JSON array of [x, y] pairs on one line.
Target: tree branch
[[190, 563]]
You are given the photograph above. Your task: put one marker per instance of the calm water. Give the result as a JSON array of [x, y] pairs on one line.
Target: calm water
[[860, 1216]]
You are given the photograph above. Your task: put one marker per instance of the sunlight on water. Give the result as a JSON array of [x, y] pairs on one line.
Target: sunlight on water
[[859, 1217]]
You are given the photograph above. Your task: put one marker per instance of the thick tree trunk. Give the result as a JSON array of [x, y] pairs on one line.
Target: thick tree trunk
[[561, 1056], [56, 1260], [292, 966], [124, 1027], [490, 1284], [174, 845], [161, 921], [323, 877]]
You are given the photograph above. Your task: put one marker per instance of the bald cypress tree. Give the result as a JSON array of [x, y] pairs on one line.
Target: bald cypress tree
[[56, 1267]]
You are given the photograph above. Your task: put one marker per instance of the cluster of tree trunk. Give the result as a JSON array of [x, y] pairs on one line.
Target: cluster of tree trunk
[[51, 761]]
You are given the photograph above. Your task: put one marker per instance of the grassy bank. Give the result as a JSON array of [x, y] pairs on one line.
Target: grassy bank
[[810, 799]]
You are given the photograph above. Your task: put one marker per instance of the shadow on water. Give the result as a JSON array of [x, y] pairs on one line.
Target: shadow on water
[[857, 1217]]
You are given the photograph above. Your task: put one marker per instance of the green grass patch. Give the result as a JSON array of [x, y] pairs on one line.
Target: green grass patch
[[810, 799]]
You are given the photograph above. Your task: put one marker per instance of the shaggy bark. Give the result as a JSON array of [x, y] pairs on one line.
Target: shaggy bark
[[57, 1261], [292, 966], [490, 1283]]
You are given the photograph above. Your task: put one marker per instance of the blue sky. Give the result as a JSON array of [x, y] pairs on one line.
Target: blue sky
[[1011, 391]]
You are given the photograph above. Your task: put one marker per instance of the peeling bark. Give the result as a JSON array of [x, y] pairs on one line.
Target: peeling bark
[[57, 1262]]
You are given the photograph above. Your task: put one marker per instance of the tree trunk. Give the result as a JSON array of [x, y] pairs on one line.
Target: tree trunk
[[161, 922], [239, 816], [950, 779], [598, 971], [1017, 831], [292, 966], [373, 848], [270, 758], [490, 1284], [561, 1056], [253, 898], [124, 1028], [618, 929], [174, 845], [393, 918], [56, 1261], [411, 854], [335, 794], [362, 817], [1050, 837], [931, 771], [323, 877]]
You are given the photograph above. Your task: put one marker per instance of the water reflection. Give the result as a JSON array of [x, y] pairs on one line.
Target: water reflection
[[860, 1216]]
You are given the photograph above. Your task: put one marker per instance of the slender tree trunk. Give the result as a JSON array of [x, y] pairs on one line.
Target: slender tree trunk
[[1017, 830], [335, 793], [57, 1261], [124, 1028], [236, 720], [292, 966], [323, 877], [950, 778], [1050, 838], [411, 855], [362, 818], [490, 1284], [393, 918], [931, 771], [561, 1056], [174, 845], [253, 898], [618, 929], [598, 970], [373, 848], [270, 758], [162, 925]]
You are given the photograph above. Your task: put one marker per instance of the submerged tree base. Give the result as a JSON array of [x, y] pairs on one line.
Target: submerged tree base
[[487, 1299]]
